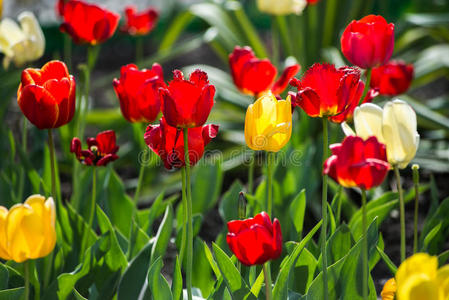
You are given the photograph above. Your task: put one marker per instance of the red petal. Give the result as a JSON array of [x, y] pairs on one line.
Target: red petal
[[106, 142], [199, 78], [288, 73], [257, 76], [309, 101], [237, 60], [39, 106], [209, 132]]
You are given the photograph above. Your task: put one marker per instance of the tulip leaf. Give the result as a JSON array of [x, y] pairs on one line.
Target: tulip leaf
[[202, 271], [174, 30], [163, 234], [280, 290], [134, 277], [207, 181], [12, 294], [138, 240], [234, 281], [176, 287], [303, 272], [158, 284], [297, 210], [432, 235], [257, 286], [4, 277], [229, 202]]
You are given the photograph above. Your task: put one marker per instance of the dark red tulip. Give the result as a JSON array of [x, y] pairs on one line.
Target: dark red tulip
[[310, 2], [139, 23], [393, 78], [47, 96], [255, 241], [138, 93], [100, 150], [254, 76], [88, 23], [358, 163], [369, 42], [325, 91], [187, 103], [168, 142], [60, 4]]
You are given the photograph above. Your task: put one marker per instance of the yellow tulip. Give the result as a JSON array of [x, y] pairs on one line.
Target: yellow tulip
[[281, 7], [268, 123], [418, 278], [389, 290], [27, 231], [21, 44], [395, 126]]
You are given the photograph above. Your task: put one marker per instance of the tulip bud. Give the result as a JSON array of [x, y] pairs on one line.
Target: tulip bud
[[281, 7], [27, 231], [268, 123]]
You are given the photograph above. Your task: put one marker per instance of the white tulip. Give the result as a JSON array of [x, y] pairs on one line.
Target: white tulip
[[395, 126], [281, 7], [21, 44]]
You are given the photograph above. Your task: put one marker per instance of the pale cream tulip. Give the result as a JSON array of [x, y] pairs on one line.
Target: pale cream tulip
[[395, 126], [21, 44], [281, 7]]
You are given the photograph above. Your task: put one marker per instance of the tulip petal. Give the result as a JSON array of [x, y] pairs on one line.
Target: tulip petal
[[288, 73], [368, 121], [3, 239], [39, 106]]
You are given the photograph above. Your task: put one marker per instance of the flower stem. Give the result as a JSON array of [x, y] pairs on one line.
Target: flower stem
[[270, 159], [324, 211], [51, 146], [401, 211], [415, 169], [26, 266], [139, 184], [364, 247], [251, 172], [22, 170], [366, 89], [267, 275], [189, 217], [92, 201], [139, 49], [184, 216]]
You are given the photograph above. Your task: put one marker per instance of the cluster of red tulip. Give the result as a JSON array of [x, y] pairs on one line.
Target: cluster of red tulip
[[47, 99]]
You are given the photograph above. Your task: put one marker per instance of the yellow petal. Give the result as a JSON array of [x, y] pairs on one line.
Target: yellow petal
[[389, 290], [420, 263], [368, 121], [281, 134], [418, 287], [443, 281], [249, 127], [400, 133], [19, 247], [3, 240], [50, 229]]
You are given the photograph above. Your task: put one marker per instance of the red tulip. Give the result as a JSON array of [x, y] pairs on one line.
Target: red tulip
[[187, 103], [254, 76], [358, 163], [101, 150], [47, 96], [88, 23], [325, 91], [138, 92], [310, 2], [368, 42], [60, 4], [168, 142], [139, 23], [393, 78], [255, 241]]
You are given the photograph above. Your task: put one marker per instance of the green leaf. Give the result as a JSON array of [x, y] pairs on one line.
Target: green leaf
[[176, 287], [158, 284], [257, 286], [12, 294], [297, 211], [229, 202], [390, 264], [303, 272], [339, 244], [176, 27], [4, 277], [163, 234], [206, 187], [134, 277], [280, 290], [233, 279]]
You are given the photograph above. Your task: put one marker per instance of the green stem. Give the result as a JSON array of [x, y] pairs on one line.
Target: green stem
[[364, 247], [139, 49], [93, 201], [324, 211], [26, 266], [184, 215], [339, 200], [251, 172], [51, 146], [189, 217], [68, 51], [366, 89], [274, 42], [415, 169], [329, 22], [270, 158], [267, 275], [22, 170], [401, 211], [139, 184]]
